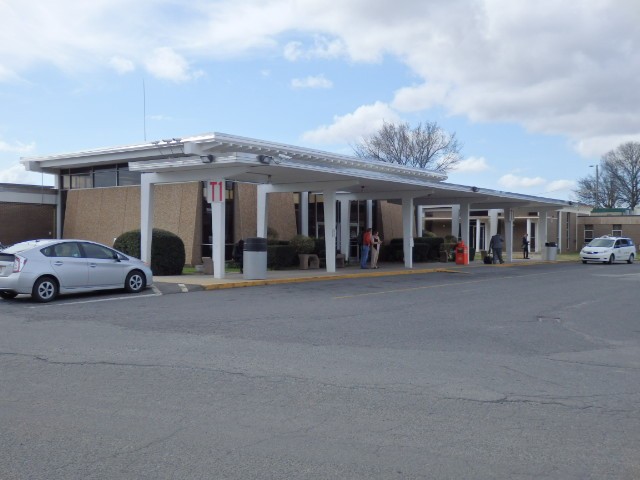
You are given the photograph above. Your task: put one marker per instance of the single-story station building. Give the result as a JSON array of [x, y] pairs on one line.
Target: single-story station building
[[214, 189]]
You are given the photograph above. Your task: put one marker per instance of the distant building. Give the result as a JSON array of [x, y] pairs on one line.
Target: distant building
[[26, 212]]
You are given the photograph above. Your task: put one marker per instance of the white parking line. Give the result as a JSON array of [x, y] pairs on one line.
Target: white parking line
[[96, 300], [183, 288]]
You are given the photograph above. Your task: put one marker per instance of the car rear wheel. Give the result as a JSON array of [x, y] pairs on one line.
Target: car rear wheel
[[45, 289], [612, 259], [8, 295], [135, 282], [630, 259]]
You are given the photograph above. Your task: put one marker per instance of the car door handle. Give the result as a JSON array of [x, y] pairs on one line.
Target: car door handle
[[58, 263], [93, 265]]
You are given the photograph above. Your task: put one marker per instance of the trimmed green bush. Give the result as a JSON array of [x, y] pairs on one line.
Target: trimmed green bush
[[319, 247], [281, 256], [425, 249], [302, 244], [167, 250]]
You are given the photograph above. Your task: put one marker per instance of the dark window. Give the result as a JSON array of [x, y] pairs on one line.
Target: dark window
[[588, 233], [105, 177], [67, 249], [91, 250], [126, 177], [81, 179], [616, 230]]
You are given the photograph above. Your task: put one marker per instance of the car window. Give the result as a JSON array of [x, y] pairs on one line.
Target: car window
[[617, 244], [66, 250], [623, 242], [91, 250], [601, 242]]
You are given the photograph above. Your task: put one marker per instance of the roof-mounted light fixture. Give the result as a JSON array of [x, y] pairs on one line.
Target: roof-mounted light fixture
[[265, 159]]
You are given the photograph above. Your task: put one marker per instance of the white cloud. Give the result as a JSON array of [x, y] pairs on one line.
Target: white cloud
[[562, 68], [16, 173], [293, 51], [422, 97], [471, 165], [160, 118], [513, 181], [18, 147], [350, 127], [322, 47], [167, 64], [318, 81], [561, 185], [122, 65]]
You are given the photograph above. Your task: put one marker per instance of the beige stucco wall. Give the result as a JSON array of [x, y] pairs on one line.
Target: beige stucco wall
[[391, 220], [280, 217], [102, 214]]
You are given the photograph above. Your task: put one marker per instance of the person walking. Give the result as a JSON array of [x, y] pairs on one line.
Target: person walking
[[525, 246], [366, 245], [375, 249], [238, 254], [496, 245]]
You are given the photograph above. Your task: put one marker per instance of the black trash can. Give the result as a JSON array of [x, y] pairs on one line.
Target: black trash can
[[550, 251], [255, 259]]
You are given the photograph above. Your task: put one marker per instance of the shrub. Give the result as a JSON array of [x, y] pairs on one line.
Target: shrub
[[319, 247], [281, 256], [302, 244], [167, 250], [425, 249]]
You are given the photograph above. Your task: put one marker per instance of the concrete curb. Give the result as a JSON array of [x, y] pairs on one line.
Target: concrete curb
[[340, 276], [318, 278]]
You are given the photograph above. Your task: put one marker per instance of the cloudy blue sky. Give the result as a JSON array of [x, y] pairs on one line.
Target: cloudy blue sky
[[535, 91]]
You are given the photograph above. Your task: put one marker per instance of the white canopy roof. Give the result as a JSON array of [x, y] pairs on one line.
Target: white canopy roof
[[290, 168]]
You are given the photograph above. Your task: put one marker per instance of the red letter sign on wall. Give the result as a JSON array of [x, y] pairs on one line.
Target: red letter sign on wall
[[215, 191]]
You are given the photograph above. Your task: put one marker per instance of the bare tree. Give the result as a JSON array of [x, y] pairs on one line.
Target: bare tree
[[426, 146], [618, 184], [623, 166], [599, 192]]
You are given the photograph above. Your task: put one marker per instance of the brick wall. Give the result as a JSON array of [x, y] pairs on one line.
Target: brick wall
[[23, 221]]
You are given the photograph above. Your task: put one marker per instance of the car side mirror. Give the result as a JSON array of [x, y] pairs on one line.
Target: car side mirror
[[116, 257]]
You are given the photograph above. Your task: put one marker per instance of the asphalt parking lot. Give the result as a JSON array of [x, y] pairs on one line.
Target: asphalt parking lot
[[529, 371]]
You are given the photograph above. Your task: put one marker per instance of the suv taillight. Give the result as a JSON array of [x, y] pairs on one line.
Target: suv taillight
[[19, 263]]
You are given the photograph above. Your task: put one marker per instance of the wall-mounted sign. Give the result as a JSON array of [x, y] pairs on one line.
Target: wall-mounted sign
[[215, 191]]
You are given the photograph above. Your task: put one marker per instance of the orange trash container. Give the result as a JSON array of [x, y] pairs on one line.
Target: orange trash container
[[462, 254]]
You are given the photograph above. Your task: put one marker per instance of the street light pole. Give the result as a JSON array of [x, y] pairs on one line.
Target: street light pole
[[597, 186]]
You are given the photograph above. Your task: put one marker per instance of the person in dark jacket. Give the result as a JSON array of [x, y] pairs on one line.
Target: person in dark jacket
[[525, 246], [238, 254], [496, 245]]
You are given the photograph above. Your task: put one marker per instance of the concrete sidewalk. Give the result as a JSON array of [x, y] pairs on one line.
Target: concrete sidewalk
[[236, 280]]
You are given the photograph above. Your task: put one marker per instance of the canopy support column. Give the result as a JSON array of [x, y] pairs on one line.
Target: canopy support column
[[329, 197], [508, 235], [464, 222], [407, 231], [262, 211], [345, 226], [455, 220], [304, 213], [146, 216]]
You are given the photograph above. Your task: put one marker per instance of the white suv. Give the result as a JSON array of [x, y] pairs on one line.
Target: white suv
[[608, 250]]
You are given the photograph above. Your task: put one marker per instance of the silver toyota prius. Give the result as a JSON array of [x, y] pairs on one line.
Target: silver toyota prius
[[46, 268]]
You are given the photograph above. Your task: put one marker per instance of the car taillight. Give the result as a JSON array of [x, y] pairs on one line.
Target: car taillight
[[19, 263]]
